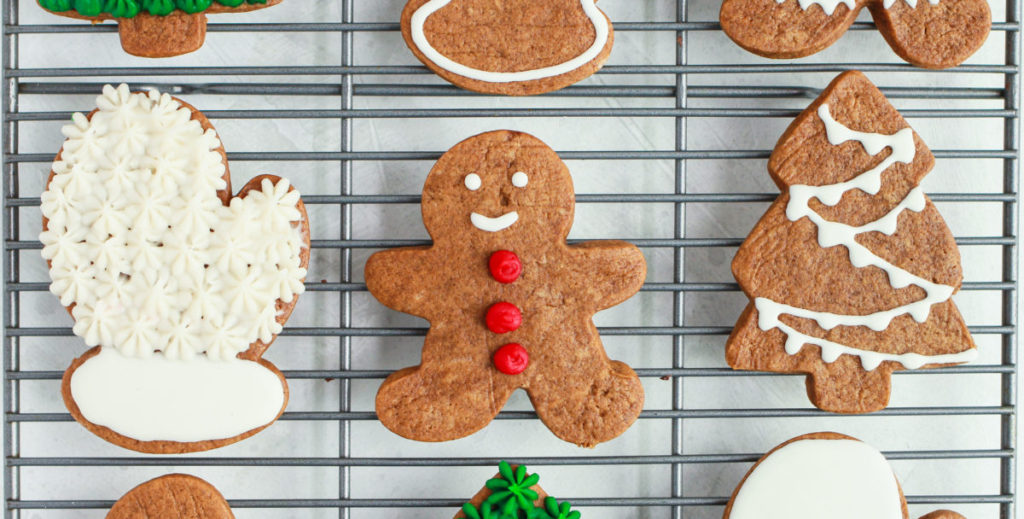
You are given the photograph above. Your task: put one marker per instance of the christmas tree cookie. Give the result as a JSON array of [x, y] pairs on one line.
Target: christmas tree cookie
[[822, 475], [851, 271], [155, 28], [177, 287], [512, 47], [514, 494], [510, 303], [175, 496]]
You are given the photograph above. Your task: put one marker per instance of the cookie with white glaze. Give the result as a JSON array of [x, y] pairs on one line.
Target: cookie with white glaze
[[512, 47], [175, 496], [851, 271], [822, 475], [154, 28], [932, 34], [510, 303], [178, 287]]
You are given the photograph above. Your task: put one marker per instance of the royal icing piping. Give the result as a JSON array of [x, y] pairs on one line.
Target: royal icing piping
[[520, 179], [419, 38], [829, 6], [473, 182], [814, 479], [156, 398], [831, 234], [500, 223], [157, 268]]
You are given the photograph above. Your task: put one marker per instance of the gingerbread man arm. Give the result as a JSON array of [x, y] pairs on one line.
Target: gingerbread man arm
[[607, 272], [403, 279]]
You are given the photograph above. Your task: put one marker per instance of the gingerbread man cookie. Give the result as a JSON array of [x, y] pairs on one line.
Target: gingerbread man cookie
[[509, 302], [512, 47], [822, 475], [154, 28], [178, 287], [927, 33], [175, 496], [852, 269]]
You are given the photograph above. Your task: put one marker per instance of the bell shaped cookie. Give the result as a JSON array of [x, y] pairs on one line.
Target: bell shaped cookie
[[178, 287], [822, 475], [510, 303], [154, 28], [851, 271], [512, 47], [932, 34], [175, 496]]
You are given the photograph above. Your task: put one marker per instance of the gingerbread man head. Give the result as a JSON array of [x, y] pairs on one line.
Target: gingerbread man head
[[509, 301]]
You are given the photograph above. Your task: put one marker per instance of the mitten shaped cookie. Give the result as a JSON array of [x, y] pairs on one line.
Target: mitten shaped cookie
[[927, 33], [511, 47], [852, 269], [175, 496], [178, 287], [822, 475], [509, 302], [154, 28], [513, 493]]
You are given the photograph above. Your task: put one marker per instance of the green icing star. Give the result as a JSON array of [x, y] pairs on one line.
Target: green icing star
[[512, 498]]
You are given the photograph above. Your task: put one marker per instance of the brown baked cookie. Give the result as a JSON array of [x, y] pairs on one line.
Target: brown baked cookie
[[512, 47], [821, 475], [178, 287], [927, 33], [154, 28], [175, 496], [851, 270], [509, 302]]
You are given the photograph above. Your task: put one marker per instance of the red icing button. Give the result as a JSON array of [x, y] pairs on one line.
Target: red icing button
[[505, 266], [503, 317], [511, 359]]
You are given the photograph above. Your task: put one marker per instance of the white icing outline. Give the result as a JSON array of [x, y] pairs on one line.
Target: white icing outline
[[500, 223], [829, 6], [520, 179], [830, 234], [419, 39]]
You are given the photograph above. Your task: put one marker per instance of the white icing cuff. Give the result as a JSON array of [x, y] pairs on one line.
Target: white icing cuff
[[154, 399], [419, 38]]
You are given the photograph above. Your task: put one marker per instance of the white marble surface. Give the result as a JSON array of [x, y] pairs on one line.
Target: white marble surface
[[524, 438]]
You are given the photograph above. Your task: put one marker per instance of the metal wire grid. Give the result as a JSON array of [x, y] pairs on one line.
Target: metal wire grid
[[20, 81]]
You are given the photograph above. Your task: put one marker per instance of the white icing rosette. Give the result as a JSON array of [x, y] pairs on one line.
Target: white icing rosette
[[169, 281]]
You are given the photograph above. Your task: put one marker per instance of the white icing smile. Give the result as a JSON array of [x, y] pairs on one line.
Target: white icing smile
[[486, 223], [419, 38]]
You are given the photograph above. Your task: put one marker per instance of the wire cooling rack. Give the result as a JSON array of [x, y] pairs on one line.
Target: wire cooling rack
[[671, 139]]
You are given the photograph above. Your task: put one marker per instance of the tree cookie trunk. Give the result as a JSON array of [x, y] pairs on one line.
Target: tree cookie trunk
[[151, 36]]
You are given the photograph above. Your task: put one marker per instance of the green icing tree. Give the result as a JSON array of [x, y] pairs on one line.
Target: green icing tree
[[513, 498], [130, 8]]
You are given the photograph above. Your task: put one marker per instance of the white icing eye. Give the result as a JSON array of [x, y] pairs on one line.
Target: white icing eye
[[473, 182], [519, 179]]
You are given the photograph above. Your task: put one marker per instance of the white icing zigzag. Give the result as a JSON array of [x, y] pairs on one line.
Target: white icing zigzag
[[419, 38], [829, 6], [142, 246], [831, 234]]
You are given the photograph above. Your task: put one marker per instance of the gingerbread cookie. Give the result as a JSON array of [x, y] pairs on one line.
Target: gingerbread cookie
[[154, 28], [512, 47], [927, 33], [852, 269], [515, 494], [822, 475], [509, 302], [178, 287], [175, 496]]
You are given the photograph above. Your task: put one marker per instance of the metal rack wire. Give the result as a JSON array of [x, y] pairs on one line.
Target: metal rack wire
[[349, 81]]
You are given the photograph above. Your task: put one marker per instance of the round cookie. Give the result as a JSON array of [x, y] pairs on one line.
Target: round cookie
[[932, 34], [154, 28], [476, 205], [175, 496], [851, 270], [822, 475], [513, 47], [177, 286]]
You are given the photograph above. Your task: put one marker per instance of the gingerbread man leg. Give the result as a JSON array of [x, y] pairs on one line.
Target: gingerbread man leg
[[598, 403], [442, 400]]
